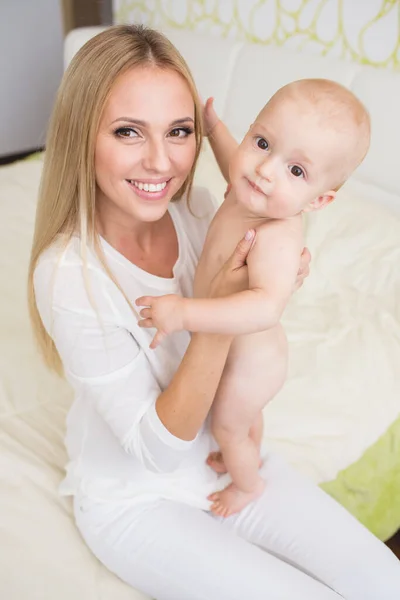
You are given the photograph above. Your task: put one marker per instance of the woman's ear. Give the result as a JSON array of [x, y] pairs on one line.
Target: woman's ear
[[321, 201]]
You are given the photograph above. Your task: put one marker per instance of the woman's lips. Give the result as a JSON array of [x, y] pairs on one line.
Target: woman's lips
[[147, 194]]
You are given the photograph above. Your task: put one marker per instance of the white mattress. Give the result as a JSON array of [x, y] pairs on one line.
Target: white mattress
[[341, 396]]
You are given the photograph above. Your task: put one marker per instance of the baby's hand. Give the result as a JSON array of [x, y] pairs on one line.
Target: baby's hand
[[164, 313], [210, 117]]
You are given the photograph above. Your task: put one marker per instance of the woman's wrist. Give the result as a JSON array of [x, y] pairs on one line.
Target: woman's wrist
[[185, 404], [213, 342]]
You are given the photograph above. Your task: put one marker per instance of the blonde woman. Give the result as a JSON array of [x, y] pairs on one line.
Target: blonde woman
[[118, 219]]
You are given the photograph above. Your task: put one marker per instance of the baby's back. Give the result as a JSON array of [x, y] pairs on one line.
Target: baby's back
[[226, 229]]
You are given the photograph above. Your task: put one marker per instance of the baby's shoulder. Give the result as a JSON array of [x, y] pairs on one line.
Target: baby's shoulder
[[276, 234], [292, 227]]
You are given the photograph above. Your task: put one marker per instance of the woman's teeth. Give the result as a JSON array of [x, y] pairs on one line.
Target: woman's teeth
[[149, 187]]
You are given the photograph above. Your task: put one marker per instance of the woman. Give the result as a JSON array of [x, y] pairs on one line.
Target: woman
[[113, 224]]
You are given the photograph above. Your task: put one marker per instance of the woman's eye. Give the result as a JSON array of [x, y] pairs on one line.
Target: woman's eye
[[126, 132], [180, 132], [297, 171], [261, 143]]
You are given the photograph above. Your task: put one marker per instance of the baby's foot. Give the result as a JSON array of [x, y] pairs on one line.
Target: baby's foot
[[216, 462], [232, 500]]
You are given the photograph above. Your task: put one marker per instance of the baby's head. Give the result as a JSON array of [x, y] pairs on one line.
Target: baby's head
[[302, 147]]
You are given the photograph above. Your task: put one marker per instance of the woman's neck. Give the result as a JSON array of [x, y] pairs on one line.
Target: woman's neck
[[152, 246]]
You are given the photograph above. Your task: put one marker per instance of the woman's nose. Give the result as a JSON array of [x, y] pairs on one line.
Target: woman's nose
[[156, 157]]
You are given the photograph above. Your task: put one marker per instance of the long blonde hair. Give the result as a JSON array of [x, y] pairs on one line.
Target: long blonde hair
[[66, 202]]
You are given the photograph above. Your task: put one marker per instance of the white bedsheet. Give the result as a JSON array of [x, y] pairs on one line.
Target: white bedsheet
[[342, 393]]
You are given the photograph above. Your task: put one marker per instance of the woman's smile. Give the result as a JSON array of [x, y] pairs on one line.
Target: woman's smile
[[155, 189]]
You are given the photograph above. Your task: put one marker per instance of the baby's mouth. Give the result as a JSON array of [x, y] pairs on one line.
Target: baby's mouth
[[256, 188]]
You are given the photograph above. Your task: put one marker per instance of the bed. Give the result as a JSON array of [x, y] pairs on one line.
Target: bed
[[337, 419]]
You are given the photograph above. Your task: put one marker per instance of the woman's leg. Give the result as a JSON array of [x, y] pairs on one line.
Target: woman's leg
[[172, 551], [298, 522]]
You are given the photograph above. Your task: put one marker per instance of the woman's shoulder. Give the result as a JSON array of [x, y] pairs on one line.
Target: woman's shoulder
[[197, 210], [61, 249], [202, 203], [61, 281], [61, 256]]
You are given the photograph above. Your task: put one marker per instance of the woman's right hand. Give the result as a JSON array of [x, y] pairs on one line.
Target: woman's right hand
[[232, 277]]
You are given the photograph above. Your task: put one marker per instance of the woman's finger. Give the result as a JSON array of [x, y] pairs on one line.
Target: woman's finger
[[305, 258]]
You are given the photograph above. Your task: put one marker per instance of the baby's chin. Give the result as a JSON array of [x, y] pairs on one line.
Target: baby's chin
[[259, 207]]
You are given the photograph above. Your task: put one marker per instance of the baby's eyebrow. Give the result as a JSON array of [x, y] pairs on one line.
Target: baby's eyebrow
[[259, 125], [302, 157]]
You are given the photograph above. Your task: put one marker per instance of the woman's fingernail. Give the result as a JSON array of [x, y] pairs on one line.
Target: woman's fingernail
[[249, 234]]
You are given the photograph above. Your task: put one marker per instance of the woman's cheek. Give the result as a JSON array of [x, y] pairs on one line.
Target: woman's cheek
[[185, 156]]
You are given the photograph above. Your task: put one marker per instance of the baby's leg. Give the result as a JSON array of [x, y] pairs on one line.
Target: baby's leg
[[255, 371], [215, 459], [256, 431]]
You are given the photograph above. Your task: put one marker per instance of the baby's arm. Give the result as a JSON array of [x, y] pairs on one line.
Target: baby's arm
[[273, 264], [221, 140]]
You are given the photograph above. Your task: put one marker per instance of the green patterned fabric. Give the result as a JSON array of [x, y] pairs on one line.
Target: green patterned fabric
[[370, 488], [34, 156], [365, 32]]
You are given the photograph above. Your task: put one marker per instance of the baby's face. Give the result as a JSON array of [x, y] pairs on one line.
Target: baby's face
[[287, 160]]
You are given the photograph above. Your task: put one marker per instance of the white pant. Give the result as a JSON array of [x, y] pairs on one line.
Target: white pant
[[172, 551]]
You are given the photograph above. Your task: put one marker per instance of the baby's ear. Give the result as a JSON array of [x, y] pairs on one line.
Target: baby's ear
[[321, 201]]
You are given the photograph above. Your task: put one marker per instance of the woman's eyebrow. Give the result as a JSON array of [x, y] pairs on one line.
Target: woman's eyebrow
[[145, 124]]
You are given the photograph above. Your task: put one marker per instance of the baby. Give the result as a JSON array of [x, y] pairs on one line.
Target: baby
[[301, 148]]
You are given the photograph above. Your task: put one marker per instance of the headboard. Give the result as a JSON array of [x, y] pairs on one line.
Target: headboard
[[242, 76]]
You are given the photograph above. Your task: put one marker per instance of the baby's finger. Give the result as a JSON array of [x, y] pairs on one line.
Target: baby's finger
[[209, 103], [143, 301], [145, 313], [158, 338], [146, 323]]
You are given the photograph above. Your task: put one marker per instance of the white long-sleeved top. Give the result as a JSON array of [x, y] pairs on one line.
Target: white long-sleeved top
[[116, 443]]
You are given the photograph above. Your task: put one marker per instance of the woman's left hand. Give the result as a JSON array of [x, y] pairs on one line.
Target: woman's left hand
[[304, 269]]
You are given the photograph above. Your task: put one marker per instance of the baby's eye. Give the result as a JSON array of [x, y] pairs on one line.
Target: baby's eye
[[126, 132], [262, 143], [297, 171], [181, 132]]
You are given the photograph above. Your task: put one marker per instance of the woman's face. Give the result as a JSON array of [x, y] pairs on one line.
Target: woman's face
[[145, 145]]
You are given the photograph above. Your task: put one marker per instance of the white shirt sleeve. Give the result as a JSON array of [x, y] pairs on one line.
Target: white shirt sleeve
[[103, 361]]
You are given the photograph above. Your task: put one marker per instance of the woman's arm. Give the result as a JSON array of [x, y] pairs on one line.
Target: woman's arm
[[110, 371], [221, 140], [184, 405], [273, 264]]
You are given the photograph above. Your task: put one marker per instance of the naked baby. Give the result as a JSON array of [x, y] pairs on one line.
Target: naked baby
[[301, 148]]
